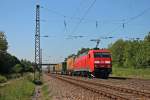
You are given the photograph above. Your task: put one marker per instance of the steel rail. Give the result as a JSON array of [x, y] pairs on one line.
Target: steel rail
[[121, 89], [101, 92]]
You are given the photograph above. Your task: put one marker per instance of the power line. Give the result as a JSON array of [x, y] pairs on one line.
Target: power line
[[122, 24], [134, 17], [77, 18], [77, 9], [53, 11], [82, 18], [138, 15], [65, 25], [128, 20]]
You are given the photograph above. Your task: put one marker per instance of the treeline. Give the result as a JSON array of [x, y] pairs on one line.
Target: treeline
[[131, 53], [10, 64]]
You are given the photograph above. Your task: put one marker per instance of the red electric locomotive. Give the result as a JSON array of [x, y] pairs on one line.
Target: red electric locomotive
[[97, 63]]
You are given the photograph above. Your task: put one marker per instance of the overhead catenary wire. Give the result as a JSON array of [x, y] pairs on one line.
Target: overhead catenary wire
[[72, 17], [78, 18], [135, 17], [128, 20], [138, 15], [123, 22], [96, 24], [65, 25], [77, 9], [82, 18], [53, 11]]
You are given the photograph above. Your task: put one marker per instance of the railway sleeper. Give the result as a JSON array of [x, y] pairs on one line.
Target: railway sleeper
[[139, 93], [103, 93]]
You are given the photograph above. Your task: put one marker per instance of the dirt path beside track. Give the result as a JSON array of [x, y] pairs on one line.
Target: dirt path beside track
[[37, 94]]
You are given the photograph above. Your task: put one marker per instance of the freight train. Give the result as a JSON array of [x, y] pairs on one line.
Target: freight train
[[95, 63]]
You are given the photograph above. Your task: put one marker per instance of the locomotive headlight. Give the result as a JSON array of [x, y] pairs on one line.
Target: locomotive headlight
[[96, 62], [107, 62]]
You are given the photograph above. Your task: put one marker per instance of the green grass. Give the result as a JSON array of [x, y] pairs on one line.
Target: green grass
[[45, 92], [131, 72], [21, 89], [3, 79]]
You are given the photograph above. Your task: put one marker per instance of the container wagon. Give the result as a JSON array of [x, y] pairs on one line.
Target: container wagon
[[70, 64], [61, 68]]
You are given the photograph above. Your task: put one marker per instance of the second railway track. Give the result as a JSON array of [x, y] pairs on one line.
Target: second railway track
[[112, 92]]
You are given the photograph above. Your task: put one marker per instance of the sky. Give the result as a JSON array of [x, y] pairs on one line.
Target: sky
[[62, 19]]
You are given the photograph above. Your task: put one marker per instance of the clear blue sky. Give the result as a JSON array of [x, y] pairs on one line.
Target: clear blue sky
[[17, 20]]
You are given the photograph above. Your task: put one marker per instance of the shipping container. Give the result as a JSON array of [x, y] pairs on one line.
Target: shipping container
[[70, 64], [58, 68], [61, 68]]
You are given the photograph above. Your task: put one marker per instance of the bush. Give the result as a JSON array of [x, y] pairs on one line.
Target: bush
[[17, 68], [2, 79], [17, 90], [131, 72], [29, 77], [13, 76]]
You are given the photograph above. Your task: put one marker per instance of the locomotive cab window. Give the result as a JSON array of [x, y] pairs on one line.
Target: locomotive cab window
[[104, 55]]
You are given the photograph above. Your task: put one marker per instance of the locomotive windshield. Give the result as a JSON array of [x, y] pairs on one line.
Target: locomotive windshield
[[102, 55]]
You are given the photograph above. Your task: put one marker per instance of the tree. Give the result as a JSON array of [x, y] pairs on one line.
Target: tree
[[27, 65], [131, 53], [7, 62], [3, 42], [17, 68], [147, 38], [117, 50], [146, 50]]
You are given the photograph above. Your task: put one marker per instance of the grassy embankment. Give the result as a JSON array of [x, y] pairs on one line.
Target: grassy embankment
[[45, 92], [131, 72], [18, 89]]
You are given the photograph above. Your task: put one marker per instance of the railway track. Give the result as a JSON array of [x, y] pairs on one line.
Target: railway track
[[112, 92], [121, 89]]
